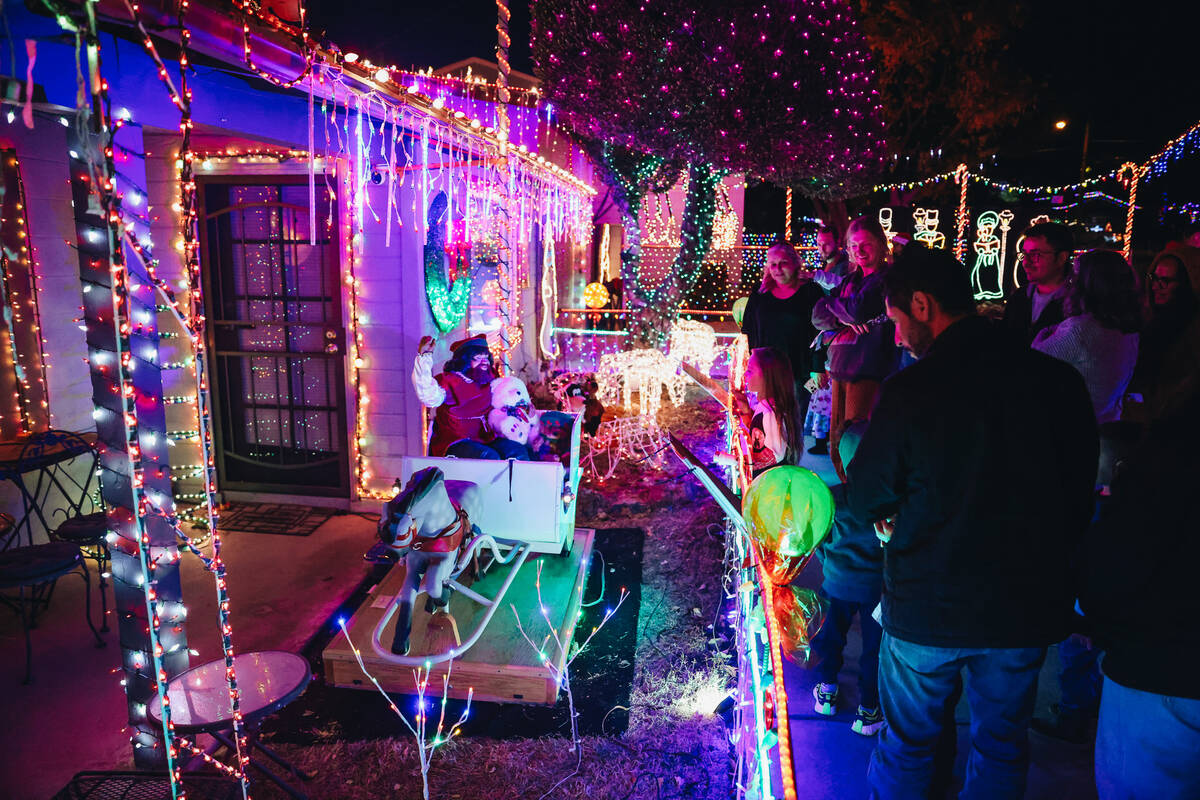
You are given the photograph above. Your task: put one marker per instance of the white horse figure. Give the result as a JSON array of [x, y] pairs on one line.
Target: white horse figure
[[429, 525]]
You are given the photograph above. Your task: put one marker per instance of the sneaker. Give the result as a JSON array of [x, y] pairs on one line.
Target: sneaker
[[867, 721], [820, 447], [826, 695]]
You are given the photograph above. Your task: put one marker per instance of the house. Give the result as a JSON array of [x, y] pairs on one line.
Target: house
[[222, 245]]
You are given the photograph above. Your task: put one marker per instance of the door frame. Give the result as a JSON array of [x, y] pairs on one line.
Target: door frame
[[345, 492]]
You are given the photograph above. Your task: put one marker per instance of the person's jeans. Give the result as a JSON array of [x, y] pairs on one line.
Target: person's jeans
[[830, 641], [919, 686], [1147, 745]]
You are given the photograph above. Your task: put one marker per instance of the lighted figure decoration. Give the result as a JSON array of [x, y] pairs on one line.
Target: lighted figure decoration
[[1006, 220], [885, 222], [595, 295], [448, 297], [605, 268], [788, 512], [428, 524], [660, 229], [987, 275], [462, 393], [925, 220], [695, 343], [637, 439], [646, 372]]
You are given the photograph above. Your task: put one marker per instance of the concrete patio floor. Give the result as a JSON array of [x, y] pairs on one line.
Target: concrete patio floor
[[281, 589]]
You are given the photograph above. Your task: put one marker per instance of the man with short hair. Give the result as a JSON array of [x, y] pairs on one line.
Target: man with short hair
[[978, 534], [1045, 251], [834, 263]]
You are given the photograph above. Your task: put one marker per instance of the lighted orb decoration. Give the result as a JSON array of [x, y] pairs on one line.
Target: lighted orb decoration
[[595, 295], [739, 310], [789, 512]]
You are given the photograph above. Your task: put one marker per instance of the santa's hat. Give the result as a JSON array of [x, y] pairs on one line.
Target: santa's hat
[[470, 347]]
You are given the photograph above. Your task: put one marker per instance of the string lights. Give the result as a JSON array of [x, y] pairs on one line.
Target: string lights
[[30, 407]]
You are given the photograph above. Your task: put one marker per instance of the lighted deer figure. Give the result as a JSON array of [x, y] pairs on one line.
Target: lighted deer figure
[[428, 524]]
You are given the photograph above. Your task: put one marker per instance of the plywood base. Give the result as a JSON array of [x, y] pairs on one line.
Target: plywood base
[[502, 667]]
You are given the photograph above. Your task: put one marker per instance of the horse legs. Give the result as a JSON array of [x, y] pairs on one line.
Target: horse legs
[[415, 566], [435, 582]]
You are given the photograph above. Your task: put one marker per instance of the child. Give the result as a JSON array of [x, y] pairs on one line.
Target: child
[[773, 421], [852, 561]]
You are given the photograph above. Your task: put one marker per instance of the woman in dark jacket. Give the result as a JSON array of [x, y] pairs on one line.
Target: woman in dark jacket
[[779, 315], [862, 346]]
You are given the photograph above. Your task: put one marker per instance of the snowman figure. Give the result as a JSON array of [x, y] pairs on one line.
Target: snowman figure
[[986, 275]]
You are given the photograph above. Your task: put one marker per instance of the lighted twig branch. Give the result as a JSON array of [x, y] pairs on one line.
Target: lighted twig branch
[[567, 649], [419, 727]]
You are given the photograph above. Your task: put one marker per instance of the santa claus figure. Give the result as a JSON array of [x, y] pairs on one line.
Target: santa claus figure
[[462, 393]]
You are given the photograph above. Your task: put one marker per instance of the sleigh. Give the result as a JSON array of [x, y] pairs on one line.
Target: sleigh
[[527, 509]]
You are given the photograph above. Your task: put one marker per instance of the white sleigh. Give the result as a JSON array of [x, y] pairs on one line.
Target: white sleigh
[[527, 507]]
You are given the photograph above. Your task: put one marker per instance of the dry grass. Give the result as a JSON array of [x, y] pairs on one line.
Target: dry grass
[[674, 746]]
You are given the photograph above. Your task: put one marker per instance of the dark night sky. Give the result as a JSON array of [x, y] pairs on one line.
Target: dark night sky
[[1128, 68]]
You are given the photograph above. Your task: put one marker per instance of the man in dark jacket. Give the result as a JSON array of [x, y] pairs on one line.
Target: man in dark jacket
[[1140, 599], [978, 533], [1045, 252]]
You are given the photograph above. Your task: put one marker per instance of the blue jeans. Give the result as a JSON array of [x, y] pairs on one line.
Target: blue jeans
[[919, 686], [1147, 745], [830, 641]]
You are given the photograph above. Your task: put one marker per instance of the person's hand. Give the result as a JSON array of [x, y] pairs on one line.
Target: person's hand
[[823, 380], [1082, 641], [425, 345], [884, 529], [860, 329]]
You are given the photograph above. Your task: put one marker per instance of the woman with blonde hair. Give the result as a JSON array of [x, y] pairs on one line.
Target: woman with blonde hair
[[779, 314], [862, 345]]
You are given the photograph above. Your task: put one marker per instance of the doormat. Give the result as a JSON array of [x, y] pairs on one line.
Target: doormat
[[601, 677], [285, 520]]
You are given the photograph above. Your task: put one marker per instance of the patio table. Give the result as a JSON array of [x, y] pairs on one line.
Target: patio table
[[267, 681]]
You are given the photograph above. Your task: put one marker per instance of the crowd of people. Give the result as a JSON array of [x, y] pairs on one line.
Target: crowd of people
[[1007, 485]]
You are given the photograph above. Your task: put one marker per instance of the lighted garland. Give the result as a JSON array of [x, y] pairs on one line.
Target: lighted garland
[[194, 321], [448, 303]]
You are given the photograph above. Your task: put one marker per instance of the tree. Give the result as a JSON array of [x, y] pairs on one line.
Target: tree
[[951, 84], [778, 89]]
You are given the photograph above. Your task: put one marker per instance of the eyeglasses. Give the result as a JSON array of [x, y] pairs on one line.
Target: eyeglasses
[[1160, 280], [1035, 255]]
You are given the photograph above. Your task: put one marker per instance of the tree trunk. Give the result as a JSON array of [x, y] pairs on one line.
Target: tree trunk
[[658, 307]]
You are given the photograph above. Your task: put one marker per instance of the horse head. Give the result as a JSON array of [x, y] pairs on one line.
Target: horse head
[[421, 506]]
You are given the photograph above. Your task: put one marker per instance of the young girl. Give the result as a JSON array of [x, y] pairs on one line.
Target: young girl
[[773, 421]]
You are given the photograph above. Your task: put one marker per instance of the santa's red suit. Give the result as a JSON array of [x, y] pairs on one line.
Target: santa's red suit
[[461, 404]]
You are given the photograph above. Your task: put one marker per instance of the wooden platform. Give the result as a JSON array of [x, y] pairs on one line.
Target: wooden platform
[[502, 667]]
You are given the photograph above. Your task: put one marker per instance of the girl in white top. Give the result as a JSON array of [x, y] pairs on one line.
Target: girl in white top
[[772, 421]]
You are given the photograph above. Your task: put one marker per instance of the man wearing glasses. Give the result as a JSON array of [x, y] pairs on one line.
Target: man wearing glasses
[[1045, 253]]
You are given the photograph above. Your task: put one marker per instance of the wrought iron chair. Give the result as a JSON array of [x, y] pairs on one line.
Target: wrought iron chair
[[58, 475], [33, 571]]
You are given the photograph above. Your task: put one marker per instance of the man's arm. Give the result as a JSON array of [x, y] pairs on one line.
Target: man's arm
[[876, 474]]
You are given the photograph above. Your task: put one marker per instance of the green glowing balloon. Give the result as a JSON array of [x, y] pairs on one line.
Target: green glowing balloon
[[739, 310], [789, 512]]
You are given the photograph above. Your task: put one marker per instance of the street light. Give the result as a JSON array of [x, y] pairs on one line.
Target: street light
[[1062, 123]]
